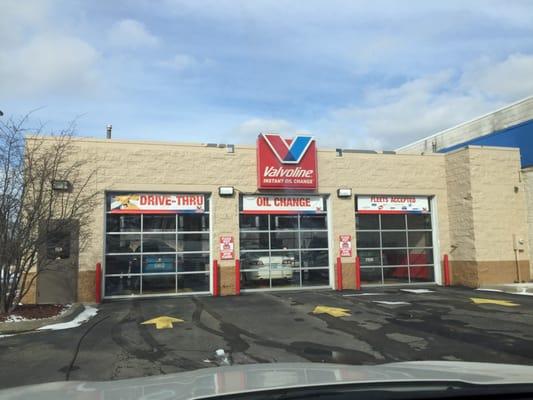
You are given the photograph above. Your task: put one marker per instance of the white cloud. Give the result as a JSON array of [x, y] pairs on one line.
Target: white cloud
[[184, 62], [131, 34], [19, 17], [509, 79], [48, 64], [390, 117]]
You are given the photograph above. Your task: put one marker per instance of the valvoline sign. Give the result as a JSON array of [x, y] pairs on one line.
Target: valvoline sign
[[286, 163]]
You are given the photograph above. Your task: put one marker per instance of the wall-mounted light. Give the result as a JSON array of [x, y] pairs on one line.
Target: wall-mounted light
[[225, 190], [61, 185], [344, 192]]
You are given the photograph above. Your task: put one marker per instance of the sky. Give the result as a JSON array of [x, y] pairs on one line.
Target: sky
[[354, 74]]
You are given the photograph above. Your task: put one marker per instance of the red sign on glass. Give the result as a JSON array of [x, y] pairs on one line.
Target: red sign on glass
[[226, 248], [286, 163], [345, 244]]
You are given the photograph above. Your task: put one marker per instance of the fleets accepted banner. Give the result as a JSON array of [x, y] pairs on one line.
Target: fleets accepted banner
[[156, 203], [386, 204], [282, 204]]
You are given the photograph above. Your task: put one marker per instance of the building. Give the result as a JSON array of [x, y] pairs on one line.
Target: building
[[510, 126], [288, 211]]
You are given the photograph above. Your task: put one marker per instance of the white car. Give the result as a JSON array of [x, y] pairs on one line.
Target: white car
[[275, 267]]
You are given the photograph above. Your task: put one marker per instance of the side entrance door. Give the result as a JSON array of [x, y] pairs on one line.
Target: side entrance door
[[57, 281]]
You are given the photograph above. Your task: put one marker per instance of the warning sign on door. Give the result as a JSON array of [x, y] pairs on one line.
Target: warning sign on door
[[345, 244], [226, 248]]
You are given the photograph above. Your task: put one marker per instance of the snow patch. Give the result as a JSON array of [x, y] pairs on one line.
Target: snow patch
[[417, 291], [4, 336], [391, 303], [84, 316], [15, 318]]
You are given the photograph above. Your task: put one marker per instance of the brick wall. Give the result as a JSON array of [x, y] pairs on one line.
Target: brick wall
[[527, 176], [486, 206]]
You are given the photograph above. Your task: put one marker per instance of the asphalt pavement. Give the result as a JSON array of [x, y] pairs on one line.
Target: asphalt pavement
[[370, 327]]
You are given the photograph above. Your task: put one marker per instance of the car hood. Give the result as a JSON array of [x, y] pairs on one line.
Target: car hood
[[208, 382]]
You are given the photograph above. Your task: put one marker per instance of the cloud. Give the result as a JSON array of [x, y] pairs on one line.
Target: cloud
[[388, 117], [19, 17], [184, 62], [52, 64], [509, 79], [130, 33]]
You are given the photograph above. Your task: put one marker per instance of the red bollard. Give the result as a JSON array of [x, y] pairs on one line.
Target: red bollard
[[237, 277], [357, 273], [446, 265], [339, 274], [215, 278], [98, 284]]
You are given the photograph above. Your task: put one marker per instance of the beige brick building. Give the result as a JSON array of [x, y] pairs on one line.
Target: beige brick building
[[475, 197]]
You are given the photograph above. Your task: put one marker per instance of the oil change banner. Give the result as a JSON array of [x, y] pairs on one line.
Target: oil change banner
[[387, 204], [156, 203], [282, 204]]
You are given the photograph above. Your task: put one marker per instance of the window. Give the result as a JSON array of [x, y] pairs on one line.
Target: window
[[395, 248], [284, 250], [157, 253], [58, 245]]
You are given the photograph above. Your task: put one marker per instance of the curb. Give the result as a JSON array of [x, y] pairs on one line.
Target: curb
[[24, 326]]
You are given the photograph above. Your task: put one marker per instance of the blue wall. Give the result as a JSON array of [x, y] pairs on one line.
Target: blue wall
[[520, 135]]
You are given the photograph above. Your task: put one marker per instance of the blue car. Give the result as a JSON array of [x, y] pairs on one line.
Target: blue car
[[158, 263]]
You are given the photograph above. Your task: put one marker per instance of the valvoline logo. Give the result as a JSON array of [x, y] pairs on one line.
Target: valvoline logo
[[286, 163], [288, 151]]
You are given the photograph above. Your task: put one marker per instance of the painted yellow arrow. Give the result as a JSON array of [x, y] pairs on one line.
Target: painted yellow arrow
[[506, 303], [162, 322], [333, 311]]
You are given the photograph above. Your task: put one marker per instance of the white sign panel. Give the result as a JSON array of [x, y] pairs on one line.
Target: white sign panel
[[282, 204], [137, 203], [391, 204]]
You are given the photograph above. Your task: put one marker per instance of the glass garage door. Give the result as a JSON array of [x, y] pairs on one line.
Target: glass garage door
[[395, 248], [157, 251], [284, 250]]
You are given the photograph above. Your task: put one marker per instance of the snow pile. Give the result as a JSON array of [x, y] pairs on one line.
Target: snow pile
[[3, 336], [84, 316], [15, 318]]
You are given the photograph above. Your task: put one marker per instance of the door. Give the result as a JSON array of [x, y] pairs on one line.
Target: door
[[57, 281]]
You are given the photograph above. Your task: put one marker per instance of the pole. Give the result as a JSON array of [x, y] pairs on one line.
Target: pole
[[357, 273], [237, 277], [215, 278], [339, 274], [447, 280], [98, 284], [518, 275]]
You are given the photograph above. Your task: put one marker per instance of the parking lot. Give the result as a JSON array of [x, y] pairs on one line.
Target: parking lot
[[369, 327]]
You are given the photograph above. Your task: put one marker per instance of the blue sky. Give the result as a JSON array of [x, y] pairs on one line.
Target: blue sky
[[359, 74]]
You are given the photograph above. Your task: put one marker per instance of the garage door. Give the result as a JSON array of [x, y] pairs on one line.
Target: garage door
[[283, 242], [156, 244], [394, 239]]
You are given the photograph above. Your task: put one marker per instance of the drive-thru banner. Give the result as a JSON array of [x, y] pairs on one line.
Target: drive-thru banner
[[159, 203]]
